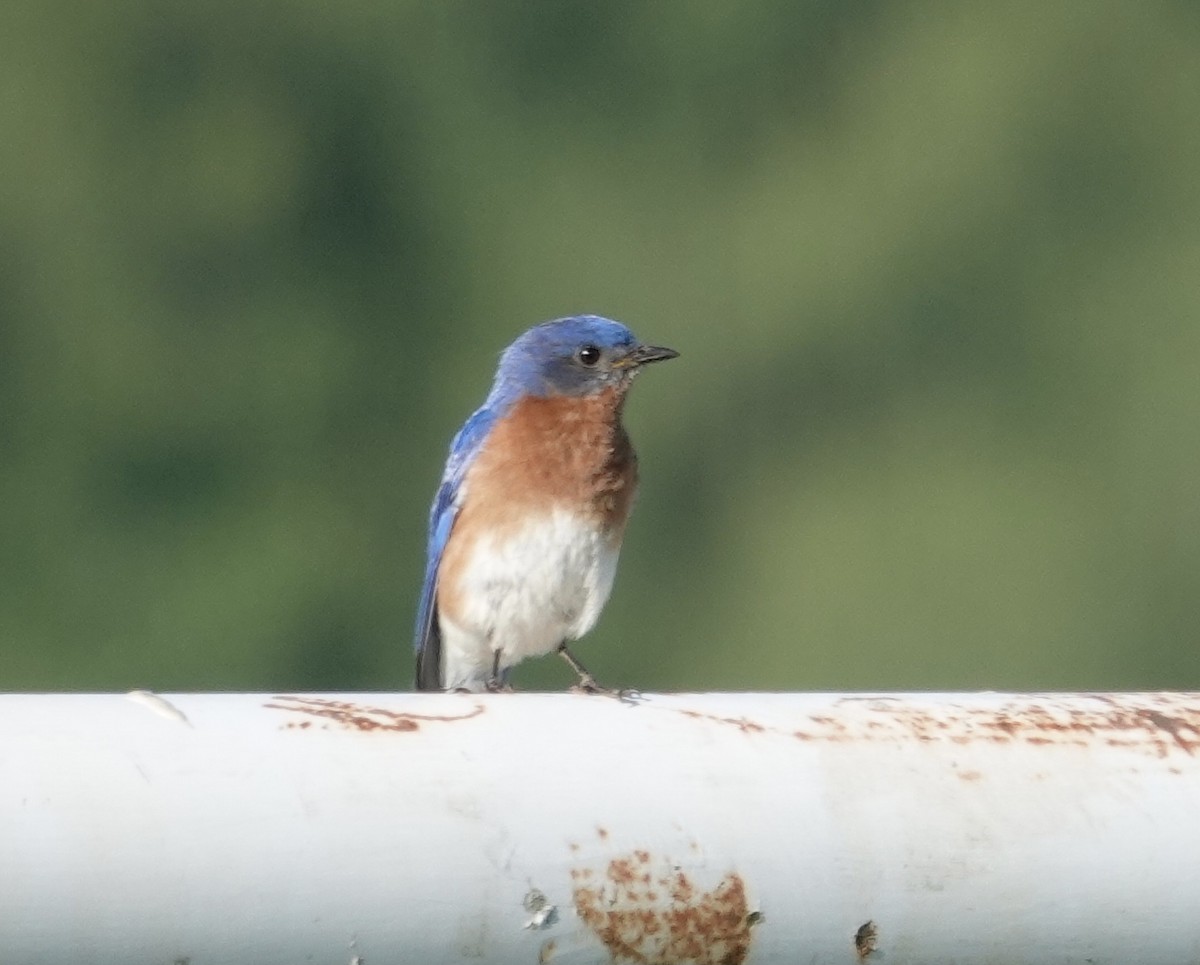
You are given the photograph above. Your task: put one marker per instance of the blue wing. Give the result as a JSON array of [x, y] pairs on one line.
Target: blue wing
[[446, 503]]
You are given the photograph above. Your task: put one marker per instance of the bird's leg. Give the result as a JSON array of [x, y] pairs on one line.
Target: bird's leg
[[587, 683], [497, 682]]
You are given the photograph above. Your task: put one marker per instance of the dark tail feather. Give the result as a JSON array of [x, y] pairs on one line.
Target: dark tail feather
[[429, 658]]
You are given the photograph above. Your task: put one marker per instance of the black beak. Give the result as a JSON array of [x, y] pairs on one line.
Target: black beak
[[642, 354]]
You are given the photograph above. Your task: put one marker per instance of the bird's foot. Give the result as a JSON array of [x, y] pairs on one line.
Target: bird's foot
[[496, 686], [587, 685]]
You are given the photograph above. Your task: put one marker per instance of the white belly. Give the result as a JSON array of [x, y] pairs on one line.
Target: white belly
[[524, 595]]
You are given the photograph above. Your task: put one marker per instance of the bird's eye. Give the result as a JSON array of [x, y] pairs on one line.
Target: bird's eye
[[588, 355]]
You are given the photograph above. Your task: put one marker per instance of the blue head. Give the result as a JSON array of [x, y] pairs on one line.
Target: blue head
[[574, 356]]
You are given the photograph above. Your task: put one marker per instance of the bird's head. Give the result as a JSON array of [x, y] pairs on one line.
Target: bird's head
[[574, 356]]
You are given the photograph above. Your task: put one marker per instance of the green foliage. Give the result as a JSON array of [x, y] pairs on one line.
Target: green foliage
[[933, 271]]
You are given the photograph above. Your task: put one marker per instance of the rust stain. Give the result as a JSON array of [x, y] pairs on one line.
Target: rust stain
[[1185, 733], [744, 724], [354, 716], [620, 870], [866, 940], [662, 917], [1159, 724]]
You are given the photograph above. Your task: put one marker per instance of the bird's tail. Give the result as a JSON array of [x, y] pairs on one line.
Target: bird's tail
[[429, 659]]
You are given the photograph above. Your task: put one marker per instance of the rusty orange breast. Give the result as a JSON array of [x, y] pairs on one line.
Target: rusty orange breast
[[570, 454], [561, 451]]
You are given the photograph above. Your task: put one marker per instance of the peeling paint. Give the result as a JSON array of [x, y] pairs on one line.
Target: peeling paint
[[650, 911], [355, 716], [542, 913], [866, 940], [160, 705]]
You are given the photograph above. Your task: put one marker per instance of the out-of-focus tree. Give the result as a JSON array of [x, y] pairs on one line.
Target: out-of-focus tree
[[932, 271]]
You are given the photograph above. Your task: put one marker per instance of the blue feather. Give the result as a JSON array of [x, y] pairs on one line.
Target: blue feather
[[463, 449]]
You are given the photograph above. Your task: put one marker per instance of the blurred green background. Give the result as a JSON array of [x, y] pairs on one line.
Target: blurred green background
[[934, 270]]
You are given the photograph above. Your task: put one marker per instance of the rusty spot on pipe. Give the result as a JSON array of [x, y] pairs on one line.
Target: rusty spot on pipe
[[745, 725], [663, 917], [354, 716], [1156, 724], [1185, 733]]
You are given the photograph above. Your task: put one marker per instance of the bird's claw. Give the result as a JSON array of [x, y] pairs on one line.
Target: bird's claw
[[587, 685]]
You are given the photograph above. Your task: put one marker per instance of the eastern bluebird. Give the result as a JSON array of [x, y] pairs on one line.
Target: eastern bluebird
[[527, 523]]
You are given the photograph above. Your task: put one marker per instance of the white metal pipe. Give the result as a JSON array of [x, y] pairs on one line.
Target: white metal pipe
[[239, 829]]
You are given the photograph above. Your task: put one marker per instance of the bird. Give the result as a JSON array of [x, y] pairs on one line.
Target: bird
[[527, 523]]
